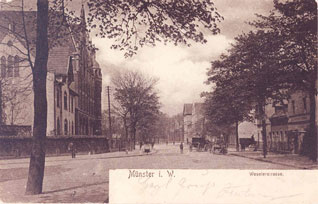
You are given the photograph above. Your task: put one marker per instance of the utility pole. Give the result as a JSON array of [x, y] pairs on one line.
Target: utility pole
[[109, 116]]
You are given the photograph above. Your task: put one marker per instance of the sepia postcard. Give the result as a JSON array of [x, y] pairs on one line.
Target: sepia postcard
[[158, 101]]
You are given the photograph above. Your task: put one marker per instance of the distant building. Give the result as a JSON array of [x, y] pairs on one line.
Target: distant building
[[194, 121], [74, 80], [187, 122]]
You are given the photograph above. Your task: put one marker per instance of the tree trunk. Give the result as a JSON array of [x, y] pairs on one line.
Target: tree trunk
[[261, 105], [1, 103], [37, 159], [134, 135], [237, 136], [312, 126], [126, 133]]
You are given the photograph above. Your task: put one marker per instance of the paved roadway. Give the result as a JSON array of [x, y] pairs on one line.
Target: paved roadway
[[85, 179]]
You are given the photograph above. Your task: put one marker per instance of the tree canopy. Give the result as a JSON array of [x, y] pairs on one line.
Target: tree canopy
[[137, 101], [140, 22]]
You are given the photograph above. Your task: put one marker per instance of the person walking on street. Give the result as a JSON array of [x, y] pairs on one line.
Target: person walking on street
[[181, 148], [71, 148]]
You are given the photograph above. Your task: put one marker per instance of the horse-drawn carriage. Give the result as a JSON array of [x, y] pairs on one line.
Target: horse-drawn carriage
[[219, 146], [201, 144]]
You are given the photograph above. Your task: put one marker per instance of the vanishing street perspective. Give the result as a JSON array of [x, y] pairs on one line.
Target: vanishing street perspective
[[87, 86]]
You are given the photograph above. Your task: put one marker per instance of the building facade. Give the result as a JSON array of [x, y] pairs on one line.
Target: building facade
[[74, 80], [193, 121], [289, 123]]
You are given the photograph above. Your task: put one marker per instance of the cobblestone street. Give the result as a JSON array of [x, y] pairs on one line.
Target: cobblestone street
[[85, 178]]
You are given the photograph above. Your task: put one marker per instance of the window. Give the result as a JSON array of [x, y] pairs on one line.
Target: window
[[72, 104], [293, 107], [58, 127], [11, 27], [69, 103], [305, 104], [3, 67], [58, 97], [72, 128], [65, 127], [10, 66], [65, 100], [16, 66]]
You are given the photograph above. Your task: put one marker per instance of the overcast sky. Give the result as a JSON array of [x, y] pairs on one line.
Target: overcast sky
[[182, 71]]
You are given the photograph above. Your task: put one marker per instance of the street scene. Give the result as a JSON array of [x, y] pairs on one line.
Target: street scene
[[87, 86], [86, 179]]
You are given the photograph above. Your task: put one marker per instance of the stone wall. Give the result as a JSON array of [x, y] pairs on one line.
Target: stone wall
[[21, 146]]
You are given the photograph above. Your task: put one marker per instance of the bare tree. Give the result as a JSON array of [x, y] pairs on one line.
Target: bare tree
[[137, 100]]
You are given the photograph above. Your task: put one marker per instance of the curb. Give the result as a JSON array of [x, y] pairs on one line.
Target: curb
[[272, 162], [132, 155]]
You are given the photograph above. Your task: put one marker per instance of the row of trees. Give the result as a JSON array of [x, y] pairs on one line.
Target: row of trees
[[267, 64]]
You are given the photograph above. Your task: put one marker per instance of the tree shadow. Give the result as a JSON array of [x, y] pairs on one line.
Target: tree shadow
[[74, 187]]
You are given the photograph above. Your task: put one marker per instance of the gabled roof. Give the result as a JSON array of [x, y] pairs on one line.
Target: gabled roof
[[58, 62], [187, 109]]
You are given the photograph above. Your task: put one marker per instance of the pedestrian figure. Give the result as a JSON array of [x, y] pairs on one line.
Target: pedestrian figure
[[181, 148], [190, 147], [152, 144], [71, 148], [140, 145]]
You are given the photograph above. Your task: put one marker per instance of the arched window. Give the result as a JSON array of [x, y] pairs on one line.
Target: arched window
[[10, 66], [72, 104], [65, 127], [16, 66], [72, 128], [3, 66], [65, 100], [58, 97], [58, 127]]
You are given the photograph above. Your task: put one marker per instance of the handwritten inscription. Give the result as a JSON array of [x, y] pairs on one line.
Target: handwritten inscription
[[218, 185]]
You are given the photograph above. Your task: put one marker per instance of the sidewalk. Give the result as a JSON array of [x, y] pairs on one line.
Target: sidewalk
[[67, 180], [291, 160]]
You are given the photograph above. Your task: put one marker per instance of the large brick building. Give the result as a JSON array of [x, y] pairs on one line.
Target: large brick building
[[74, 80]]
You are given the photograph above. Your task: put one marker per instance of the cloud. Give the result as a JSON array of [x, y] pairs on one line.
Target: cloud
[[181, 70]]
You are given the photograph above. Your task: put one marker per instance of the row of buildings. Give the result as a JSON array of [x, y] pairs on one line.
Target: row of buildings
[[287, 122], [74, 79]]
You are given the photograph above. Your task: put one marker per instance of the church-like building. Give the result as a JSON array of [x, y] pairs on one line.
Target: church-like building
[[74, 79]]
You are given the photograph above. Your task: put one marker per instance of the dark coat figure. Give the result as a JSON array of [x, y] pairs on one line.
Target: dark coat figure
[[152, 144], [253, 139], [71, 148], [181, 148], [140, 145]]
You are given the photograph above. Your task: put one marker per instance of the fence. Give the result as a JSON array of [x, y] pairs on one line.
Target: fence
[[21, 146]]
